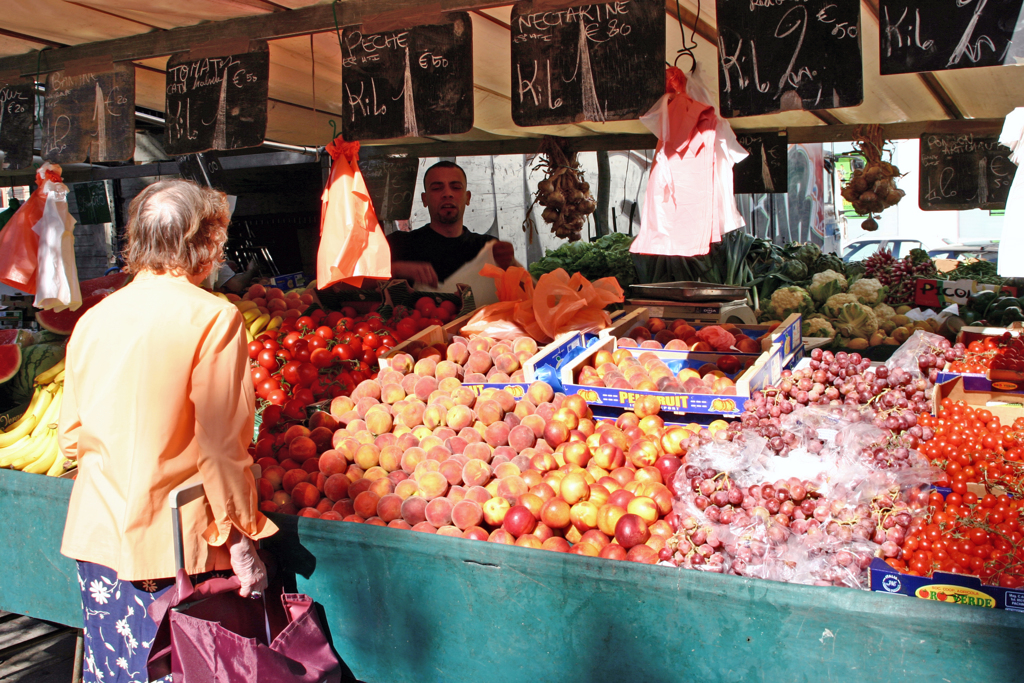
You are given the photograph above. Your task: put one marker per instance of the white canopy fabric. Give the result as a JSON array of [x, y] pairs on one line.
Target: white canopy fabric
[[305, 86]]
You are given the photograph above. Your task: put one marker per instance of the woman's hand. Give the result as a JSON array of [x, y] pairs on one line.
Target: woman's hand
[[247, 565]]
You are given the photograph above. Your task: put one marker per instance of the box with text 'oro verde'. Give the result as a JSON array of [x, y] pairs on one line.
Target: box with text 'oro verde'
[[1004, 381], [955, 589]]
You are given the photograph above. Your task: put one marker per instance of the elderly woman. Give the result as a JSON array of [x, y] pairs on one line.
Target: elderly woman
[[157, 393]]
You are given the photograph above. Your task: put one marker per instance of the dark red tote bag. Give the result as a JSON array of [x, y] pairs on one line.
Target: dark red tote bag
[[209, 634]]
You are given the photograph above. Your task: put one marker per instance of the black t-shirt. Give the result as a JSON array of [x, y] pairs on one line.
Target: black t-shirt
[[446, 254]]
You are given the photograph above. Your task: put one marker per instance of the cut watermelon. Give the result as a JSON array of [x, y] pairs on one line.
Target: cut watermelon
[[93, 291], [10, 361]]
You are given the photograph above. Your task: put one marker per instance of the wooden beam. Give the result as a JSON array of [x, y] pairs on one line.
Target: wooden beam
[[296, 22], [111, 14], [28, 39], [827, 116]]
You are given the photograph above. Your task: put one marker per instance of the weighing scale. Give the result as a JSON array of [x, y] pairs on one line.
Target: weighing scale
[[698, 302]]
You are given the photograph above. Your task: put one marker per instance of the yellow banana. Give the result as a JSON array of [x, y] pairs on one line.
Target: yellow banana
[[58, 466], [50, 453], [12, 453], [36, 395], [59, 379], [250, 315], [275, 322], [52, 414], [221, 295], [248, 336], [41, 407], [42, 446], [258, 324], [244, 305], [48, 375]]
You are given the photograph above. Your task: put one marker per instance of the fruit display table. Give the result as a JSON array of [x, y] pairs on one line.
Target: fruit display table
[[402, 606]]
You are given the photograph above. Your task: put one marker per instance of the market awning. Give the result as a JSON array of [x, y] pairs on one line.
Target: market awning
[[305, 87]]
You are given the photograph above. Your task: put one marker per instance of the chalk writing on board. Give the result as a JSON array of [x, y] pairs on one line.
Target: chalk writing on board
[[16, 109], [408, 83], [776, 56], [599, 62], [767, 167], [217, 102], [90, 115], [927, 35], [964, 172]]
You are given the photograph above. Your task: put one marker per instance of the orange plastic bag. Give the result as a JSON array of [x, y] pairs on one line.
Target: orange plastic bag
[[19, 244], [557, 304], [352, 243]]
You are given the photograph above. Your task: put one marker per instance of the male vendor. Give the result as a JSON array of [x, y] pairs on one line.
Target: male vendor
[[431, 254]]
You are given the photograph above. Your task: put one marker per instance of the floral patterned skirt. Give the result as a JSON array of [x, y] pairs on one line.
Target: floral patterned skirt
[[118, 630]]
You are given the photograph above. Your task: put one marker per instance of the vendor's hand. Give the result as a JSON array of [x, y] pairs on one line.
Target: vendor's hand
[[419, 272], [504, 253], [247, 565]]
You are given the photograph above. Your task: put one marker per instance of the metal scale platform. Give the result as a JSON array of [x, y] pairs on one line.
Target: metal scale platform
[[698, 302]]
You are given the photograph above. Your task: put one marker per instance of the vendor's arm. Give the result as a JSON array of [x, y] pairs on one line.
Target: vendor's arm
[[504, 254], [418, 272], [69, 423], [240, 281], [224, 407]]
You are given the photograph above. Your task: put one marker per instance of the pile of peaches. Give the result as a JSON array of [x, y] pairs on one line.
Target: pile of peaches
[[480, 360], [679, 335], [409, 451], [620, 369]]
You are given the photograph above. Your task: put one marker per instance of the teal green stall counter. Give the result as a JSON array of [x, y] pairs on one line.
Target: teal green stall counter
[[406, 606], [35, 579]]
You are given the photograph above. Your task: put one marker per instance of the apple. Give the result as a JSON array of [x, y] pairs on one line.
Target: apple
[[631, 530]]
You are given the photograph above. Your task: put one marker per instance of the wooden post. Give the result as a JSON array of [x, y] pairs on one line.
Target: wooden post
[[604, 183]]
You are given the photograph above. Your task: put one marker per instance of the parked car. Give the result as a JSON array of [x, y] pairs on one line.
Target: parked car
[[966, 252], [862, 249]]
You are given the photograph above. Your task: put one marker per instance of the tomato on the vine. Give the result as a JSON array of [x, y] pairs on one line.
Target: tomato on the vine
[[259, 374], [290, 372], [325, 332], [301, 353], [271, 344], [370, 341], [267, 359], [349, 312], [291, 339], [305, 324], [314, 342], [254, 349], [424, 304], [368, 356], [321, 358], [277, 397], [407, 328], [294, 410], [362, 328], [343, 352], [307, 373], [266, 386], [283, 355], [304, 396]]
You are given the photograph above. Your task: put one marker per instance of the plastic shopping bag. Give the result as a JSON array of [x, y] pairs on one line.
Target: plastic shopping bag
[[557, 304], [56, 275], [352, 243], [19, 245]]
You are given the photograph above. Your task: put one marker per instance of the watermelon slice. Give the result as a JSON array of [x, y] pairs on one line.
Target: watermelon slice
[[93, 292], [10, 361]]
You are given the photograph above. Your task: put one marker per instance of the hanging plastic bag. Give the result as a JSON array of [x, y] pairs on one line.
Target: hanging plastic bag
[[352, 243], [56, 274], [19, 245]]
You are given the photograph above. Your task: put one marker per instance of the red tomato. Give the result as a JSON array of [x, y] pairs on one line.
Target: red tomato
[[290, 372], [349, 312], [277, 397], [356, 344], [315, 342], [387, 340], [305, 324], [325, 332], [317, 315], [443, 314], [271, 344], [307, 373], [267, 335], [343, 352], [303, 396], [283, 355], [363, 328], [267, 386], [406, 328], [271, 416], [321, 358], [301, 354], [290, 340], [294, 410], [357, 377], [254, 349], [425, 303], [435, 321], [267, 359], [368, 356], [449, 306], [370, 341], [259, 374], [344, 379], [332, 318]]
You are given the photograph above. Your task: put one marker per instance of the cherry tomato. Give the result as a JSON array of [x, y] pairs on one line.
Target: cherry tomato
[[315, 341], [368, 356], [294, 410], [254, 349], [290, 372], [317, 315], [271, 344], [307, 373], [332, 318], [407, 328], [305, 324], [259, 374], [443, 315], [301, 354], [387, 340], [425, 303], [449, 306], [325, 332], [271, 416], [435, 321], [267, 359], [349, 312], [356, 344], [357, 377], [363, 328], [370, 341], [277, 397], [266, 386], [283, 355], [343, 352], [291, 339], [321, 358], [303, 396]]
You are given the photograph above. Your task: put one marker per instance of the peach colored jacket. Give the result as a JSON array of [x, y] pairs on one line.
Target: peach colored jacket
[[157, 392]]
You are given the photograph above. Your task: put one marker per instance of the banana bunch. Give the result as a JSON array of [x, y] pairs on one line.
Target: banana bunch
[[255, 321], [30, 444]]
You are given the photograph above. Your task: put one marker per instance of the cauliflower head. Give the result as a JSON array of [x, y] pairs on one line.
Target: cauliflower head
[[868, 291], [856, 321], [818, 327], [835, 303], [789, 300], [825, 284], [884, 312]]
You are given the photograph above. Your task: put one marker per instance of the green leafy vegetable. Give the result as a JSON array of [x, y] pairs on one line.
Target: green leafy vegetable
[[607, 257]]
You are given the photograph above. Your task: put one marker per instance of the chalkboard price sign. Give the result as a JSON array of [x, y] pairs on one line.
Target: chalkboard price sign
[[408, 83], [960, 172], [777, 56], [93, 204], [90, 116], [767, 167], [217, 102], [16, 107], [928, 35], [391, 182], [203, 168], [599, 63]]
